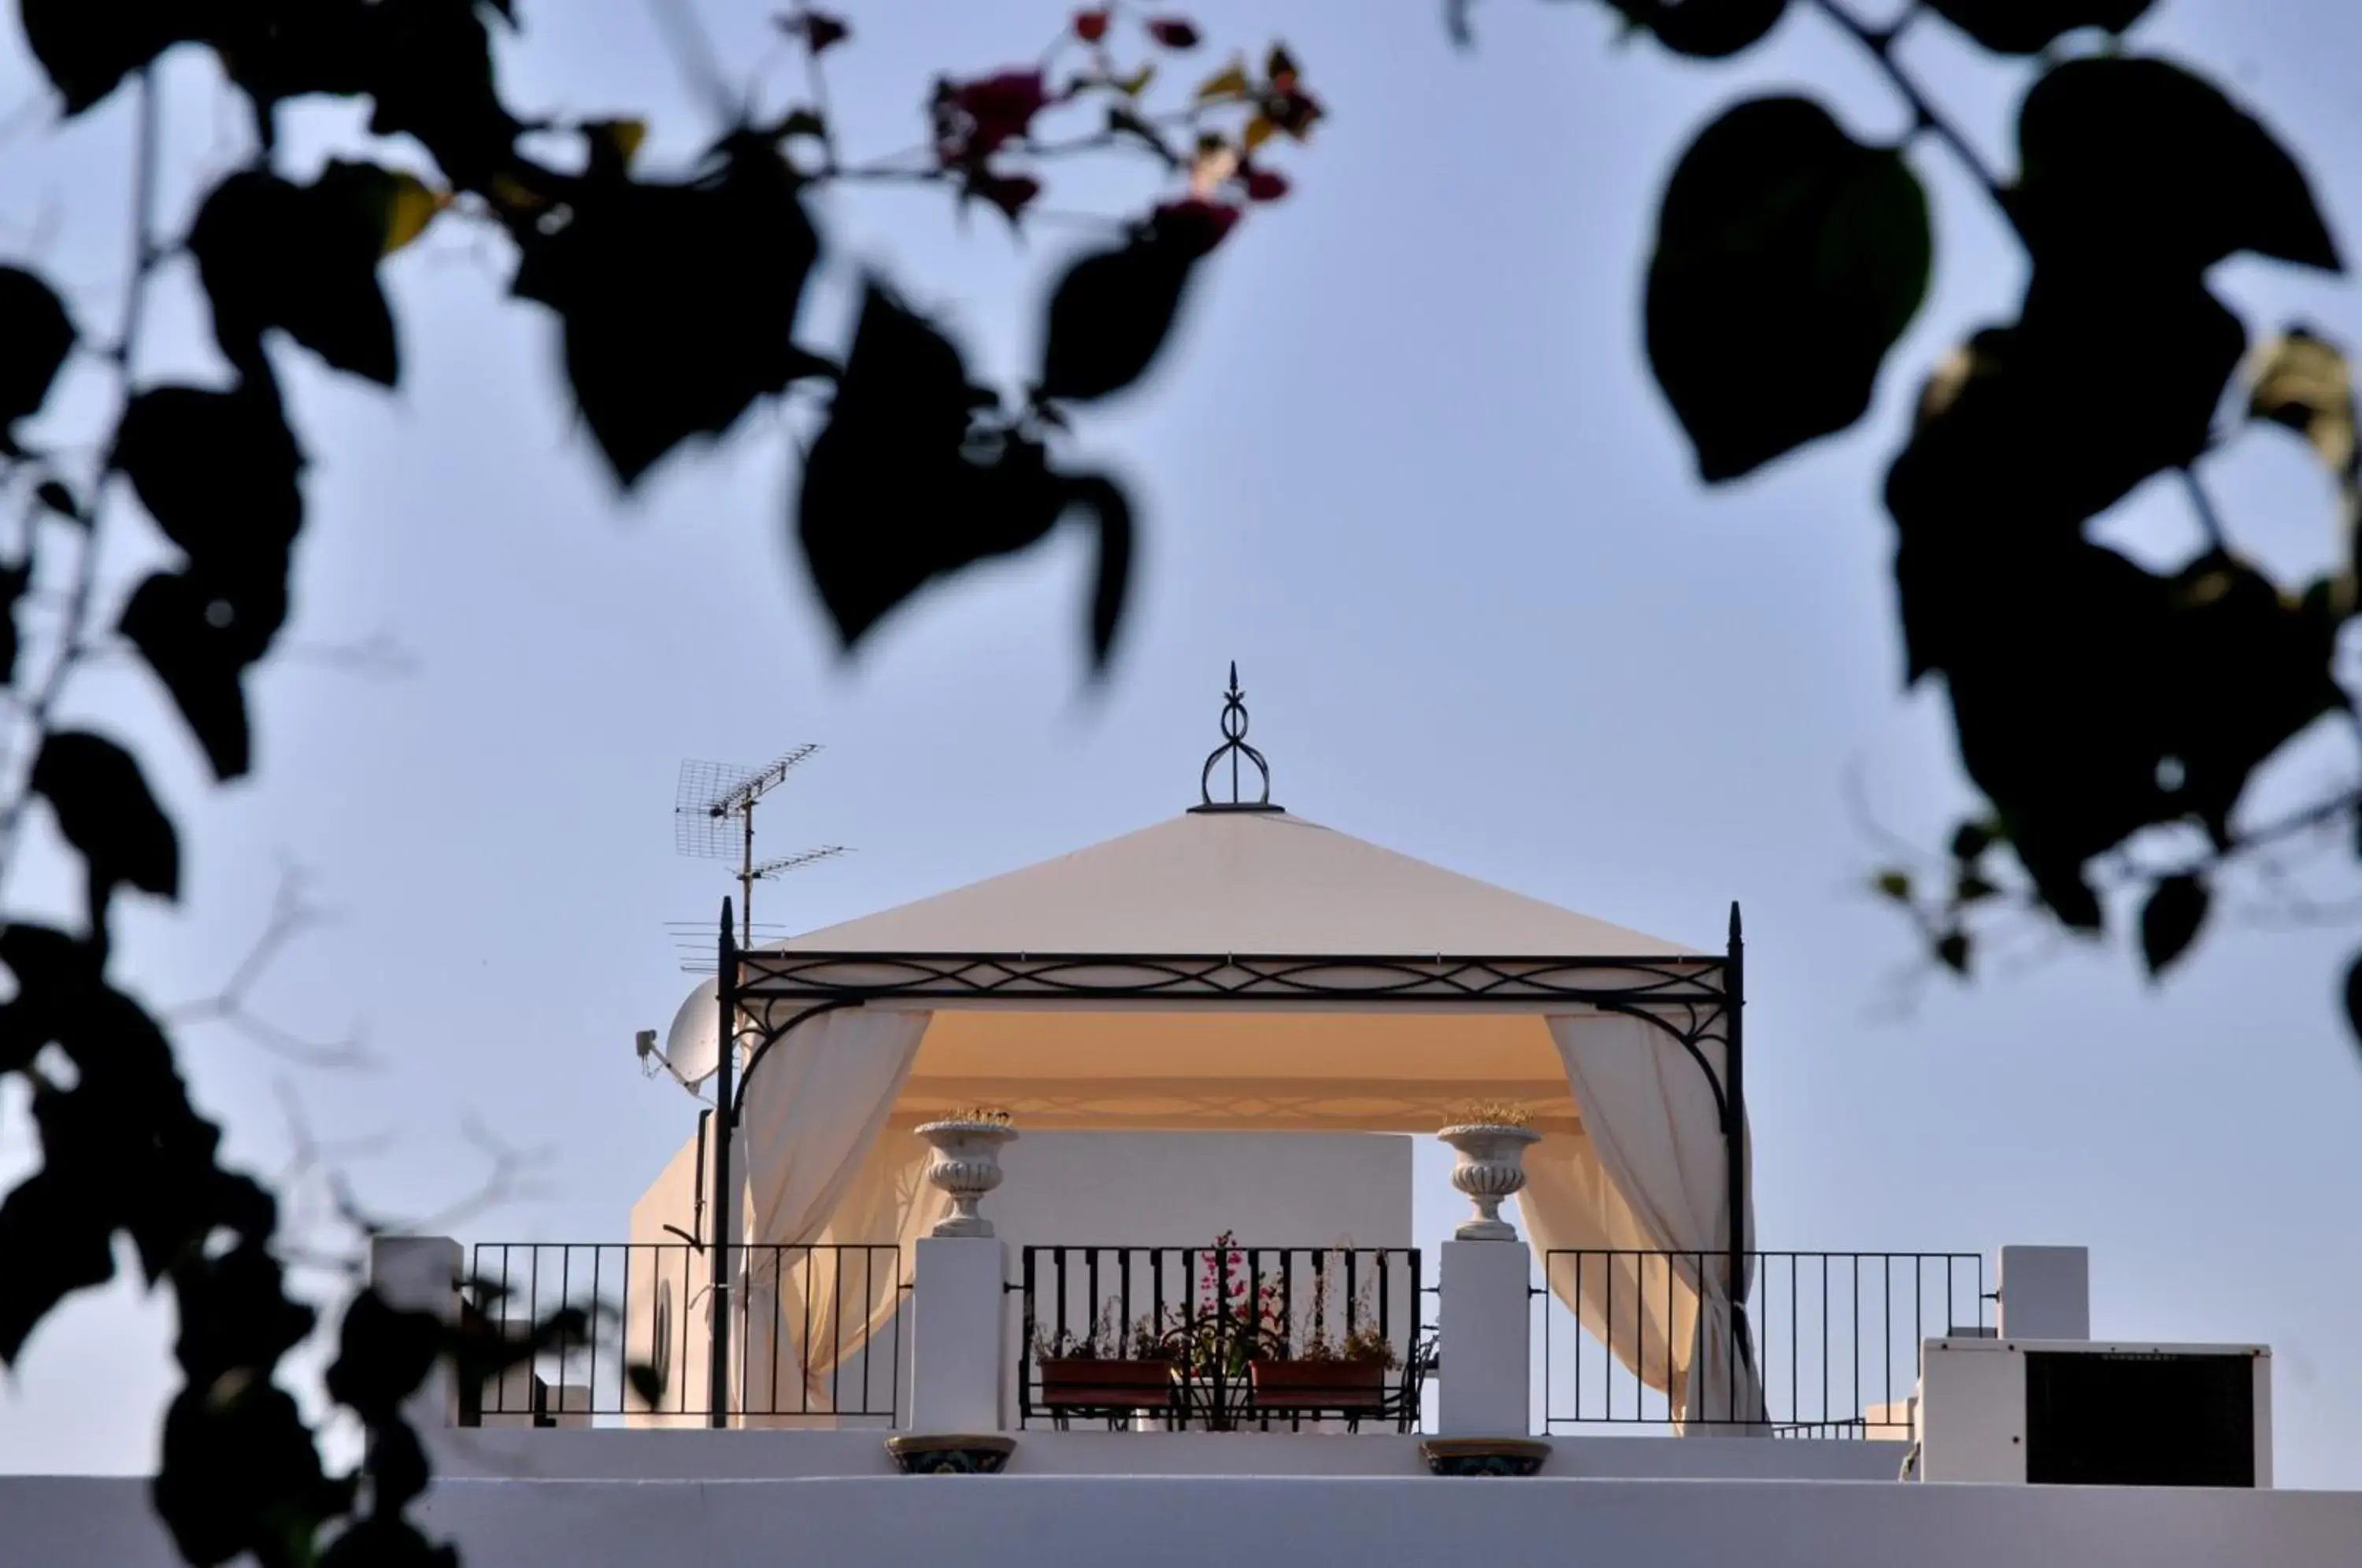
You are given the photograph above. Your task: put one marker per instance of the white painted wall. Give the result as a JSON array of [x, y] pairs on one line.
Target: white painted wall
[[1018, 1521]]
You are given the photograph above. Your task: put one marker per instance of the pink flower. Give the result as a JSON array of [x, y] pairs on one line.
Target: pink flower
[[1090, 26]]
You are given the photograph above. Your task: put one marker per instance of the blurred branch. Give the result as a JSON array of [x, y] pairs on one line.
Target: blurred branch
[[291, 914]]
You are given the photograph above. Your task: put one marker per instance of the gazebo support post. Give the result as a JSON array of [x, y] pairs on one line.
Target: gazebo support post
[[726, 990], [1734, 1128]]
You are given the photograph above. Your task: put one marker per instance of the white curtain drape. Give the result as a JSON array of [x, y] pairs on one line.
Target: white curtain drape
[[1653, 1177], [821, 1167]]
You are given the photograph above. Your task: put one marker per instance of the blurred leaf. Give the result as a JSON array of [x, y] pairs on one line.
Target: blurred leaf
[[2354, 999], [428, 65], [2029, 26], [1952, 951], [14, 580], [1259, 130], [303, 259], [647, 1384], [57, 1243], [1972, 839], [2135, 165], [903, 485], [1231, 81], [218, 471], [36, 336], [54, 494], [615, 143], [1111, 315], [383, 1353], [2034, 428], [2169, 920], [677, 300], [411, 206], [1133, 85], [2305, 383], [106, 811], [1896, 885], [199, 663], [1971, 888], [87, 47], [1789, 259], [1709, 29]]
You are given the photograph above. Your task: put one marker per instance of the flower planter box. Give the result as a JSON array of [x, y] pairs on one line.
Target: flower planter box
[[1073, 1383], [1319, 1385]]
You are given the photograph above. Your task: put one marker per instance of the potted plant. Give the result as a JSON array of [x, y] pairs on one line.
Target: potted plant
[[1106, 1369], [1324, 1370]]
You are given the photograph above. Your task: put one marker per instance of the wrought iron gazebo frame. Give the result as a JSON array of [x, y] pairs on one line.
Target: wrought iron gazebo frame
[[762, 994]]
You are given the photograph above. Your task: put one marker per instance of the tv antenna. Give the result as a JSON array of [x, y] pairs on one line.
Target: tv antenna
[[713, 818]]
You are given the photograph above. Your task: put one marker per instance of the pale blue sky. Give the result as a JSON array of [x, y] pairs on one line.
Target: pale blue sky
[[1408, 470]]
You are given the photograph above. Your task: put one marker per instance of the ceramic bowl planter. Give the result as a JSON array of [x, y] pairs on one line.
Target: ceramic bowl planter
[[967, 1165], [1492, 1168]]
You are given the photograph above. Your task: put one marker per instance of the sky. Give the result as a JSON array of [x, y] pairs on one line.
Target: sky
[[1406, 466]]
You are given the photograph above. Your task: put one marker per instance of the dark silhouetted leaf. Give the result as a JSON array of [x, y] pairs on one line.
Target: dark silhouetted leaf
[[303, 258], [36, 335], [2034, 428], [647, 1384], [1112, 311], [56, 1243], [2131, 164], [199, 663], [2354, 1001], [1706, 28], [2169, 920], [87, 47], [903, 485], [1952, 951], [106, 811], [678, 300], [1895, 885], [54, 494], [428, 67], [1971, 840], [14, 580], [383, 1354], [1789, 259], [2029, 26]]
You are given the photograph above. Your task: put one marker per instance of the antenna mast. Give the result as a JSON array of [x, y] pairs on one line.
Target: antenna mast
[[714, 817]]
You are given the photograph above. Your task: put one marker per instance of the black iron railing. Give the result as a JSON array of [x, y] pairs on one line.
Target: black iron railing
[[1826, 1346], [814, 1331], [1223, 1336]]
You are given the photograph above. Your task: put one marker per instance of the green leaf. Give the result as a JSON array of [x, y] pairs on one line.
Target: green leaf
[[1895, 885], [1788, 259], [106, 811], [36, 336], [2169, 920], [1709, 29], [2134, 165], [1110, 313], [897, 494], [303, 259], [87, 47], [678, 300], [2029, 26]]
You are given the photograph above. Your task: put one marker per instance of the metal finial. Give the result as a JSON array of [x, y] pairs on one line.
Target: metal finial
[[1235, 747]]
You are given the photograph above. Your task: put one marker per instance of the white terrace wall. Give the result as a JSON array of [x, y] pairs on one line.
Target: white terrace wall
[[1013, 1521]]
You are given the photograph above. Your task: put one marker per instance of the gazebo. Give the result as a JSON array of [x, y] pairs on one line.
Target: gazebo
[[1240, 967]]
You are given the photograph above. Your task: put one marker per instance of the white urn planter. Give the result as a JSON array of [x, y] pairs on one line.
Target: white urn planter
[[966, 1165], [1492, 1167]]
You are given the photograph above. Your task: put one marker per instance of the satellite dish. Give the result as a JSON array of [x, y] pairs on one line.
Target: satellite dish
[[692, 1048]]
